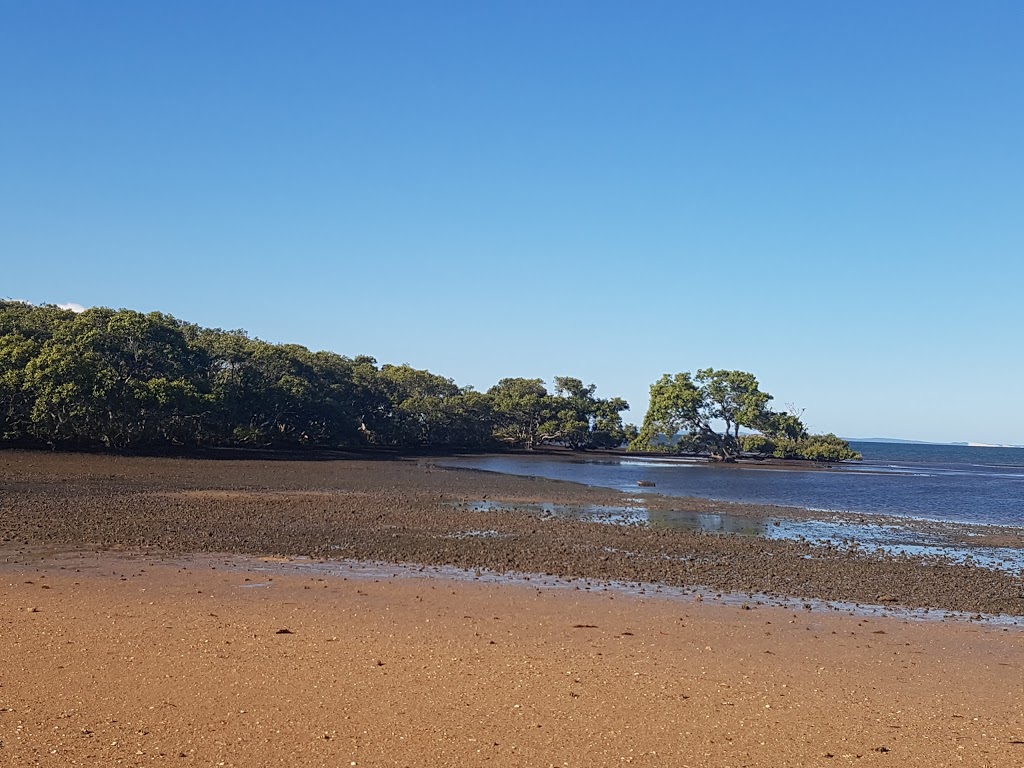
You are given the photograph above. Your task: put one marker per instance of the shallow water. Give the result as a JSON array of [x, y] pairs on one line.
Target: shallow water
[[991, 494], [841, 534]]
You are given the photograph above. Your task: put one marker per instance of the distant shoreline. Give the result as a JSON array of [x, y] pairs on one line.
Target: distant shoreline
[[370, 453], [898, 441]]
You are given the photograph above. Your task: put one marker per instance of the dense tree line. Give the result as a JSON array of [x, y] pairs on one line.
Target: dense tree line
[[123, 379]]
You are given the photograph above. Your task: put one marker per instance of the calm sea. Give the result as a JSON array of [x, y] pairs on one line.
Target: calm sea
[[933, 482]]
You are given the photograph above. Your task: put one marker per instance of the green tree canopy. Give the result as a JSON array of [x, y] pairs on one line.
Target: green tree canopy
[[430, 410], [118, 378], [685, 408], [581, 420], [705, 413], [125, 379], [521, 408], [527, 415]]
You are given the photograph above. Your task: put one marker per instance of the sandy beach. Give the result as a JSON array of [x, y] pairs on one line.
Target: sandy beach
[[226, 612], [113, 659]]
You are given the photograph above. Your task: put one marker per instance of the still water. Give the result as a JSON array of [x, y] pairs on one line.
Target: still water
[[864, 537], [945, 483]]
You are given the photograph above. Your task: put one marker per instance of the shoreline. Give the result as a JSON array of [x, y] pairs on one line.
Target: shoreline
[[408, 511], [962, 532], [958, 533], [96, 560]]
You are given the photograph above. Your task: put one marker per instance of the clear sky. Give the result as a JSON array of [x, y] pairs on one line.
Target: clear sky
[[830, 195]]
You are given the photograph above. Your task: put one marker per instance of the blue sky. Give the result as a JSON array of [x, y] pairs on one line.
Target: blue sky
[[829, 195]]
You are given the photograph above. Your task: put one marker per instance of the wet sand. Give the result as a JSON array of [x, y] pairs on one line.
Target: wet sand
[[131, 659], [409, 511]]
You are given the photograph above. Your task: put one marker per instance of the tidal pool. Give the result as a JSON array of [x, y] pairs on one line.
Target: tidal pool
[[865, 537]]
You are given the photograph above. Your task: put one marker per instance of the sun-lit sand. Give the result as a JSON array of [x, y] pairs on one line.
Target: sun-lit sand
[[116, 660]]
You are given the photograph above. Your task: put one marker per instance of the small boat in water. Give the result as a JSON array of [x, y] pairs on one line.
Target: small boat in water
[[646, 483]]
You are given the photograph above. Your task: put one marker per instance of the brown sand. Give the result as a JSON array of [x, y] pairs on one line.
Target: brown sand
[[115, 660]]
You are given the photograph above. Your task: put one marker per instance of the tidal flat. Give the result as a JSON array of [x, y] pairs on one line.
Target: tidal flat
[[398, 510]]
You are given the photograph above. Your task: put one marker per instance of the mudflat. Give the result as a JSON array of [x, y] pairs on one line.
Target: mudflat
[[133, 659], [395, 510]]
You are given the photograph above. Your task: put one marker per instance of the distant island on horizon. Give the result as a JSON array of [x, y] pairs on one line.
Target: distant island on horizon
[[927, 442]]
